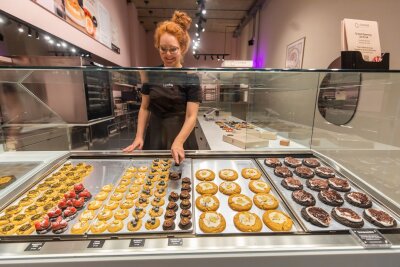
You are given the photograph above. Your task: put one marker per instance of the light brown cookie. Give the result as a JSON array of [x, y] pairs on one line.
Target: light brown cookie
[[207, 203], [229, 188], [265, 201], [240, 202], [259, 187], [228, 174], [207, 188], [251, 173], [276, 220], [205, 175], [247, 222], [212, 222]]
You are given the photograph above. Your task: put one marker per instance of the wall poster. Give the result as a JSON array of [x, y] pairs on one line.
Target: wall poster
[[294, 54], [88, 16]]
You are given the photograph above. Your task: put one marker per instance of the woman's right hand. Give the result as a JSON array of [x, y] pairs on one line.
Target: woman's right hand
[[137, 144]]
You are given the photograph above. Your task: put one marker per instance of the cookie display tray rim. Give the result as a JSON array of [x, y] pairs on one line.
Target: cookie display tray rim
[[296, 208], [224, 207]]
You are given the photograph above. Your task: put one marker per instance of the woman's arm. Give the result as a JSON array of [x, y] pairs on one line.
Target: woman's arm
[[143, 118], [177, 151]]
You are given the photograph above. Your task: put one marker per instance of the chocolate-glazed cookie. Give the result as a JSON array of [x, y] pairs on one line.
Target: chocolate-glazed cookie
[[303, 198], [186, 187], [331, 197], [186, 214], [304, 172], [292, 162], [173, 196], [325, 172], [358, 199], [311, 162], [317, 184], [347, 217], [379, 218], [174, 176], [186, 180], [283, 172], [168, 224], [185, 223], [184, 195], [172, 206], [185, 204], [170, 214], [292, 184], [272, 162], [339, 184], [316, 215]]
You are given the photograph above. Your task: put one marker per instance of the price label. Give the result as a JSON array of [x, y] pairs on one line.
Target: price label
[[370, 238], [175, 242], [35, 246], [96, 243], [138, 242]]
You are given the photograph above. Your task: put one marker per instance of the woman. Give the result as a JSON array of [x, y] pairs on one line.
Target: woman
[[170, 100]]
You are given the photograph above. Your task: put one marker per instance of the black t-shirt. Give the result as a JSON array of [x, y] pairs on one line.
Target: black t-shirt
[[170, 91]]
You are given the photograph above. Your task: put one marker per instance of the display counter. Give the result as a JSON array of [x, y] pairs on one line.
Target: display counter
[[232, 206]]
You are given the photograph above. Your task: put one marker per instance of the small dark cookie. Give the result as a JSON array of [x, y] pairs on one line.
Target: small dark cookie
[[172, 206], [303, 198], [174, 176], [292, 184], [317, 184], [185, 204], [272, 162], [173, 196], [168, 224], [283, 172], [311, 162], [347, 217], [317, 216], [186, 180], [185, 223], [184, 195], [170, 214], [331, 197], [186, 187], [292, 162], [186, 214], [379, 218], [339, 184], [325, 172], [304, 172], [358, 199]]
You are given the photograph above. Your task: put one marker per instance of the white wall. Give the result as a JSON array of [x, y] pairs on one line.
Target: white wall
[[36, 15], [137, 37], [285, 21], [211, 43]]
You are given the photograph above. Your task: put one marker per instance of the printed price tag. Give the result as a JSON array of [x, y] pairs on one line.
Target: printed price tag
[[138, 242], [96, 243], [370, 238], [35, 246], [175, 242]]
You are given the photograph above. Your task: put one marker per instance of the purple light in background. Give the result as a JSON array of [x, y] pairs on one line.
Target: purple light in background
[[259, 55]]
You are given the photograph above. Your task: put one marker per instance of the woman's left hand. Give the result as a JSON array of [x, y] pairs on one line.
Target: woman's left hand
[[177, 152]]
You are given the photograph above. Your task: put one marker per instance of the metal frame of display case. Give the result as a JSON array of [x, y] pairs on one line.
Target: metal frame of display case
[[301, 249]]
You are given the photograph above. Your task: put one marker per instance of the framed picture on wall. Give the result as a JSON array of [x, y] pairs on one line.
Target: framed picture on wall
[[294, 54]]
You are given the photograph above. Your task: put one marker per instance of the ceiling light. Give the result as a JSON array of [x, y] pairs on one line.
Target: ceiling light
[[47, 37], [2, 20], [37, 35], [197, 34], [20, 28], [203, 29], [58, 44], [203, 12], [51, 41], [197, 25], [73, 50], [63, 44], [29, 32]]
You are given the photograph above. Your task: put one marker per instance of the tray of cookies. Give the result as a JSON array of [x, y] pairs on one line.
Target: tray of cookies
[[152, 196], [322, 198], [233, 196], [53, 205]]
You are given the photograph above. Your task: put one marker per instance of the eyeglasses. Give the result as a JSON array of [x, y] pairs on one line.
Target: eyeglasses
[[172, 50]]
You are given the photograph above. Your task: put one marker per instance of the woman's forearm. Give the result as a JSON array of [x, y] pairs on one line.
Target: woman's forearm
[[187, 128], [143, 118]]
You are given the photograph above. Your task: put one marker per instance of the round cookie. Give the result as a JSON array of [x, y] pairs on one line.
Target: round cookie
[[205, 175], [26, 229], [121, 214], [276, 220], [311, 162], [304, 172], [317, 184], [292, 162], [347, 217], [247, 222], [259, 187], [251, 173], [330, 197], [358, 199], [115, 226], [379, 218], [240, 202], [80, 227], [316, 216], [283, 172], [207, 188], [339, 184], [207, 203], [229, 188], [212, 222], [292, 184], [265, 201], [152, 223], [303, 198], [135, 224], [98, 227], [228, 174], [325, 172], [272, 162]]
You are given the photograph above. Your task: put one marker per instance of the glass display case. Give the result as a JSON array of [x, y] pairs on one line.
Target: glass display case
[[289, 164]]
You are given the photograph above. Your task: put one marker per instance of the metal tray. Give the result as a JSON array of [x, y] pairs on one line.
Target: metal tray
[[16, 169], [104, 172], [185, 169], [334, 226], [236, 164]]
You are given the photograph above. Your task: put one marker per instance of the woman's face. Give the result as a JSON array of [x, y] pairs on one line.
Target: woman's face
[[170, 51]]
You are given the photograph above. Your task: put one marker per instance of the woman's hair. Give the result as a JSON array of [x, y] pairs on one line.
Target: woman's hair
[[177, 26]]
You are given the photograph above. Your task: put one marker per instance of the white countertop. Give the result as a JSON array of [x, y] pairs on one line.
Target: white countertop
[[214, 134]]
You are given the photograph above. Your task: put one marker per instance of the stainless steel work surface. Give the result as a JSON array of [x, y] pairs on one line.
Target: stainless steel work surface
[[16, 169], [334, 225], [235, 164]]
